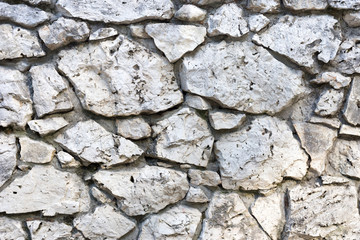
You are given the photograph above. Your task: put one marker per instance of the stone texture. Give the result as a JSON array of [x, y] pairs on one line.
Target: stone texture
[[260, 155], [179, 222], [258, 22], [175, 40], [347, 59], [138, 30], [103, 33], [144, 190], [203, 2], [221, 120], [100, 196], [335, 79], [326, 180], [48, 125], [197, 102], [330, 122], [133, 128], [11, 229], [301, 5], [67, 161], [197, 195], [352, 110], [264, 6], [207, 178], [37, 2], [47, 190], [344, 4], [8, 151], [227, 20], [352, 19], [329, 102], [41, 230], [182, 136], [125, 79], [349, 130], [190, 13], [241, 76], [35, 151]]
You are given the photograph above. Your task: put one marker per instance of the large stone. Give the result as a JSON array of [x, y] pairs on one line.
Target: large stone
[[190, 13], [345, 4], [48, 125], [35, 151], [264, 6], [182, 137], [329, 102], [93, 144], [175, 40], [8, 151], [143, 190], [17, 42], [220, 120], [120, 78], [301, 5], [241, 75], [133, 128], [348, 58], [113, 11], [335, 79], [198, 195], [349, 130], [41, 230], [260, 155], [330, 122], [47, 190], [352, 18], [303, 38], [207, 178], [352, 110], [11, 229]]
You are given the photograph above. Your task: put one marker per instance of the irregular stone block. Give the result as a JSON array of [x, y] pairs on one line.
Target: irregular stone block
[[345, 4], [197, 195], [301, 5], [347, 59], [138, 30], [66, 160], [203, 2], [352, 110], [103, 33], [8, 151], [221, 120], [349, 130], [35, 151], [207, 178], [190, 13], [258, 22], [329, 102], [352, 19], [11, 229], [40, 230], [133, 128], [48, 125], [197, 102], [264, 6], [336, 80]]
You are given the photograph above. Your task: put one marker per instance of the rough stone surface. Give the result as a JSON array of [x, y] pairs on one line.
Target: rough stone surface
[[66, 160], [197, 102], [203, 2], [133, 128], [352, 111], [37, 2], [330, 122], [329, 102], [41, 230], [300, 5], [349, 130], [8, 151], [352, 19], [11, 229], [347, 60], [190, 13], [138, 30], [48, 125], [103, 33], [264, 6], [326, 180], [220, 120], [258, 22], [336, 80], [197, 195], [344, 4], [207, 178], [35, 151]]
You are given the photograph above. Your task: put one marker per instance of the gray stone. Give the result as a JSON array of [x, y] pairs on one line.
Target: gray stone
[[221, 120], [329, 102], [264, 6], [103, 33], [301, 5], [37, 2], [138, 30], [348, 60], [133, 128], [67, 161], [35, 151], [197, 195], [345, 4], [190, 13], [41, 230], [352, 19], [330, 122], [197, 102], [335, 79], [11, 229], [100, 196], [349, 130], [48, 125], [207, 178], [352, 110], [203, 2], [258, 22], [8, 151], [327, 180]]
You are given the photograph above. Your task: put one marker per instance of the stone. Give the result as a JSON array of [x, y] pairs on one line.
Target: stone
[[129, 11], [133, 128], [29, 17], [182, 136], [104, 223], [11, 229], [62, 32], [126, 78], [17, 42], [48, 125], [203, 2], [40, 230], [143, 190], [302, 38], [98, 145], [103, 33], [206, 177], [264, 6], [35, 151], [327, 180], [329, 122], [178, 222], [8, 151], [228, 218], [301, 5], [197, 195], [258, 22], [37, 2], [100, 196], [347, 60], [175, 40], [197, 102], [67, 161], [227, 20], [138, 30], [344, 4], [221, 120], [352, 19], [269, 211], [349, 130], [329, 102], [15, 101], [47, 190], [190, 13], [352, 110], [245, 81], [335, 79], [260, 155], [317, 140], [51, 93]]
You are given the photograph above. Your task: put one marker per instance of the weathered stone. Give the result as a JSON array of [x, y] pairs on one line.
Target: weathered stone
[[326, 180], [330, 122], [128, 11], [348, 59], [264, 6], [138, 30], [175, 40], [22, 14], [220, 120], [203, 2], [98, 145], [352, 110], [51, 94], [208, 178], [190, 13], [336, 80], [241, 75], [197, 195], [41, 230], [301, 5], [329, 102], [352, 19], [17, 42], [345, 4], [104, 223], [11, 229], [182, 136], [260, 155], [133, 128], [317, 141], [302, 38], [125, 79], [349, 130], [67, 161], [48, 125], [197, 102], [228, 218], [8, 151], [37, 2], [144, 190], [47, 190], [100, 196], [227, 20], [35, 151], [258, 22], [103, 33], [179, 222]]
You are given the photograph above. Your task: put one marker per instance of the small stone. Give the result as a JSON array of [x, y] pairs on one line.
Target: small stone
[[185, 166], [67, 161], [328, 180], [37, 2], [103, 33], [349, 130], [41, 230], [197, 195], [35, 151], [227, 20], [62, 32], [48, 125], [301, 5], [179, 222], [258, 22], [221, 120], [345, 4], [352, 110], [352, 19], [11, 229], [197, 102], [207, 178], [133, 128], [138, 30], [264, 6], [203, 2], [336, 80], [190, 13], [329, 102], [99, 195], [8, 151], [330, 122], [175, 40], [163, 164]]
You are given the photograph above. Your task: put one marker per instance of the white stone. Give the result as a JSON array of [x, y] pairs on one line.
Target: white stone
[[133, 128], [190, 13], [335, 79], [103, 33], [349, 130], [347, 60], [11, 229], [258, 22], [329, 102], [227, 20], [345, 4], [327, 180], [35, 151], [41, 230], [301, 5], [203, 2], [182, 136], [206, 177], [175, 40], [37, 2], [240, 75], [264, 6], [197, 195], [197, 102], [100, 196], [220, 120], [330, 122], [48, 125], [352, 110], [8, 151], [138, 30], [47, 190], [67, 161], [143, 190], [352, 19], [125, 79]]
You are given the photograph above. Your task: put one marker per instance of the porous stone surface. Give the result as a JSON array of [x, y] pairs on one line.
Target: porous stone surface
[[352, 19], [207, 178], [40, 230], [352, 111], [11, 229], [220, 120], [299, 5], [258, 22], [197, 195], [335, 79], [8, 151], [35, 151], [190, 13], [329, 102], [344, 4], [133, 128], [263, 6], [48, 125], [347, 59]]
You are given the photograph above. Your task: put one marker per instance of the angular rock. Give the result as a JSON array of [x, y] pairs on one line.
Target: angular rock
[[190, 13], [175, 40], [197, 102], [47, 190], [349, 130], [240, 75], [348, 60], [126, 78], [11, 229], [258, 22], [197, 195], [48, 125], [264, 6], [8, 151], [220, 120], [41, 230], [15, 101], [352, 110], [51, 94], [100, 196], [98, 145], [138, 30], [329, 102], [326, 180], [345, 4], [203, 2], [182, 136], [37, 2], [301, 5], [17, 42], [103, 33], [208, 178], [330, 122], [302, 38], [336, 80], [104, 223], [227, 20], [260, 155], [352, 19], [133, 128], [35, 151], [179, 222], [66, 160], [110, 11], [143, 190]]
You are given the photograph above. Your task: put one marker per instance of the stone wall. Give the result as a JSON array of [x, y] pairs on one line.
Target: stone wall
[[191, 119]]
